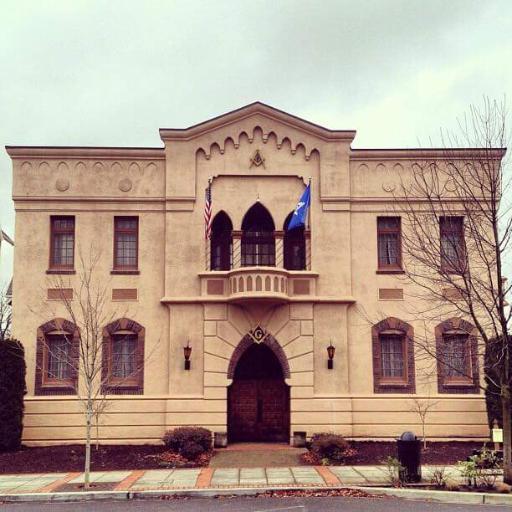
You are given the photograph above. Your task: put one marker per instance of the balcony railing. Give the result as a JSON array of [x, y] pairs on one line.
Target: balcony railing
[[267, 284]]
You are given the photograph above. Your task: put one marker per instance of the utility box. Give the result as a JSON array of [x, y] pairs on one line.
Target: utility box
[[408, 448]]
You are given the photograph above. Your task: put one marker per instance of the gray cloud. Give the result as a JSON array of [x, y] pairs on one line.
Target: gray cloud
[[113, 72]]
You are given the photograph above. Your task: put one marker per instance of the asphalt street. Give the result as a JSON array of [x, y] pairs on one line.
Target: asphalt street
[[321, 504]]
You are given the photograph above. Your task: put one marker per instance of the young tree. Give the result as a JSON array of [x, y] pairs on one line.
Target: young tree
[[456, 231], [89, 310], [422, 408]]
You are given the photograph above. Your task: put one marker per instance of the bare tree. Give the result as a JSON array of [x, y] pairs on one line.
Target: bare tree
[[422, 408], [456, 234], [89, 310]]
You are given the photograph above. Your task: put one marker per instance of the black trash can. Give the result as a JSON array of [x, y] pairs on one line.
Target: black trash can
[[408, 448]]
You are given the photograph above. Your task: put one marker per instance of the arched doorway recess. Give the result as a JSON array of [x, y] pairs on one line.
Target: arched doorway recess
[[258, 398]]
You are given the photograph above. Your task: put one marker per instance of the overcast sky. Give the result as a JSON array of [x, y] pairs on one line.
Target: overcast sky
[[112, 72]]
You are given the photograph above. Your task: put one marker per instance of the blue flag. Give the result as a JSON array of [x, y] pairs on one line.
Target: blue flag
[[301, 210]]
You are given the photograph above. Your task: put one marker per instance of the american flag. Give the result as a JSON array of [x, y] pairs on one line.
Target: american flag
[[208, 211]]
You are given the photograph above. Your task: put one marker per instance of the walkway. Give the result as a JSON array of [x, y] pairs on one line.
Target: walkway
[[208, 478]]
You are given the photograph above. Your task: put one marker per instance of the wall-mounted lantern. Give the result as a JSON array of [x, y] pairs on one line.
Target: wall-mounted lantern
[[186, 352], [330, 354]]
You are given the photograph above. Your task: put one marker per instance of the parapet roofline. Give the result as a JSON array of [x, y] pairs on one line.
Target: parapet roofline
[[249, 110], [85, 152]]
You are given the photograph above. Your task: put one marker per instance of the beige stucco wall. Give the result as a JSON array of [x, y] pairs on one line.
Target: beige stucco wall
[[165, 188]]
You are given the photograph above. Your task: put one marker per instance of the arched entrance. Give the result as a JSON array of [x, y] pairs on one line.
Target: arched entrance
[[259, 398]]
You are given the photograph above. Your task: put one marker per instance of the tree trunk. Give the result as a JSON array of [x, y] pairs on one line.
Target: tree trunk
[[506, 402], [87, 467]]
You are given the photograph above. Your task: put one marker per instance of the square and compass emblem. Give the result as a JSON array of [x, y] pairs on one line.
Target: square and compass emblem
[[257, 160]]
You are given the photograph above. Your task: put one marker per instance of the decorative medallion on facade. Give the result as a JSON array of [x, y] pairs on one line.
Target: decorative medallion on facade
[[257, 160], [258, 334]]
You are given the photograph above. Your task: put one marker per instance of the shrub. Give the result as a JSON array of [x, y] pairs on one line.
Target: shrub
[[481, 470], [333, 447], [190, 442], [12, 390]]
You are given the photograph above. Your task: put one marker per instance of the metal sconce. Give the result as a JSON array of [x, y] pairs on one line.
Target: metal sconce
[[186, 352], [331, 349]]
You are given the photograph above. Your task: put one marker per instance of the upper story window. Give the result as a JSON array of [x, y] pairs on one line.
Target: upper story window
[[258, 243], [294, 246], [221, 257], [453, 251], [389, 243], [126, 243], [62, 242]]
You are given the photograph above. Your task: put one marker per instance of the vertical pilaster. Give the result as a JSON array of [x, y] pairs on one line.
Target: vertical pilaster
[[279, 241], [237, 249], [307, 243]]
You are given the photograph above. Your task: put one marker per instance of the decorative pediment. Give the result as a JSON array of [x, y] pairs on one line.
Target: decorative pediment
[[261, 121]]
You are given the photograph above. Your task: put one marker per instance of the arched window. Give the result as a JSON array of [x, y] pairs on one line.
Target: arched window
[[123, 358], [294, 247], [457, 357], [393, 357], [57, 359], [221, 242], [258, 244]]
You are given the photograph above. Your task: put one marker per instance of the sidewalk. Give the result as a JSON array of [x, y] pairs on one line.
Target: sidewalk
[[208, 478]]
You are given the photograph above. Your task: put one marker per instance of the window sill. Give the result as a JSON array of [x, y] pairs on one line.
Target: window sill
[[390, 271], [458, 384], [394, 384], [63, 271], [126, 272]]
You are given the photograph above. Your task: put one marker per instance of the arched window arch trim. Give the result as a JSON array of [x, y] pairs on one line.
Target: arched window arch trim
[[388, 332], [123, 351], [57, 358]]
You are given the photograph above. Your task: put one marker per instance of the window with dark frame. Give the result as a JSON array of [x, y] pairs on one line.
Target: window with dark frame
[[392, 348], [258, 242], [124, 356], [453, 254], [62, 242], [389, 243], [294, 247], [126, 243], [57, 361], [221, 244], [456, 358]]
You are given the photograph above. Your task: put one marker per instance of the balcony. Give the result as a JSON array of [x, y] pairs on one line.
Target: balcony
[[258, 284]]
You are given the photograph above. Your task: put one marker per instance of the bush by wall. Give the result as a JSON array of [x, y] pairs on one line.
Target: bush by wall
[[12, 390], [331, 447], [190, 442]]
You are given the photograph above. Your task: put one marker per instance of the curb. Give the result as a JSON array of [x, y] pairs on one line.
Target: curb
[[408, 494]]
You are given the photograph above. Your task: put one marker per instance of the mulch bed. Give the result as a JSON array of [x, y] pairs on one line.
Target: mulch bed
[[70, 458], [450, 452]]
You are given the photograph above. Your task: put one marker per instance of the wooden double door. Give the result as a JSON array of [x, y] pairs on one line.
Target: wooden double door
[[258, 399]]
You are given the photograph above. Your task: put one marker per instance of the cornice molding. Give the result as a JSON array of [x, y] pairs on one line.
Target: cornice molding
[[426, 154], [82, 152], [242, 113]]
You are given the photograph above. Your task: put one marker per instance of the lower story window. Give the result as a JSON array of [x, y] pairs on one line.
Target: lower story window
[[124, 363], [58, 363], [392, 355]]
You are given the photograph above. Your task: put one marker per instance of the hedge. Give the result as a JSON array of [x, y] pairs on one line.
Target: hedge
[[12, 390]]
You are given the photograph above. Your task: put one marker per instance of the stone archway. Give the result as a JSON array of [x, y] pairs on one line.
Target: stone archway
[[258, 398]]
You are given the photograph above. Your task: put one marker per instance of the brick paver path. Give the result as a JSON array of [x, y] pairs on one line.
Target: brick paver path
[[168, 479]]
